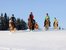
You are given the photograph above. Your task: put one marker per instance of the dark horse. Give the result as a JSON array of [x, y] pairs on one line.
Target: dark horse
[[31, 23], [47, 24]]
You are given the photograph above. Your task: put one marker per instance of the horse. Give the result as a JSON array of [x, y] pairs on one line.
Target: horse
[[29, 24], [32, 24], [11, 26], [55, 24], [36, 26], [47, 24]]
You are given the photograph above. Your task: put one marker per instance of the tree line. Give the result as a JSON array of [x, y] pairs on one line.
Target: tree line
[[20, 24]]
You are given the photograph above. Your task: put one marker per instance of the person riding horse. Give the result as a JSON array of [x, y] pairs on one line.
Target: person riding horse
[[55, 24], [12, 24], [31, 21], [47, 22]]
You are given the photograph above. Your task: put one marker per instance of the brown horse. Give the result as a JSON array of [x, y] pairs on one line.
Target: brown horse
[[29, 24], [32, 25], [47, 24], [36, 26], [11, 25]]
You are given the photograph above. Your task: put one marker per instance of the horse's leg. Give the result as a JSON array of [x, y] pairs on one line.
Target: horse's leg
[[46, 28]]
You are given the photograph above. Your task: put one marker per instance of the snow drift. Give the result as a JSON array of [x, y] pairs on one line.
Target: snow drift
[[44, 40]]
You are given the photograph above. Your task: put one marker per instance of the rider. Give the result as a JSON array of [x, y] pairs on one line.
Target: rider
[[32, 20], [55, 24], [47, 17], [31, 15]]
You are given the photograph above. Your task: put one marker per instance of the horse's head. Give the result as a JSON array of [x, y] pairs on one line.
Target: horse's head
[[36, 26]]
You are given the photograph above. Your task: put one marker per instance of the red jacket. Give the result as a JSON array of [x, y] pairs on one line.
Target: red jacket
[[31, 16]]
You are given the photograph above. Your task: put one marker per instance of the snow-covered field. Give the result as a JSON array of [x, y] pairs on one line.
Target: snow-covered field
[[44, 40]]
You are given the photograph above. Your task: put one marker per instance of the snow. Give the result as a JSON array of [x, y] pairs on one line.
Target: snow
[[33, 40]]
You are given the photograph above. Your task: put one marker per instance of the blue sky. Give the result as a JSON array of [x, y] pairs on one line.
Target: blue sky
[[22, 9]]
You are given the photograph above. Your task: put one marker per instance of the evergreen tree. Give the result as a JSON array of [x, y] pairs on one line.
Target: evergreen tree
[[18, 23], [2, 21], [1, 14], [6, 22], [23, 25]]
